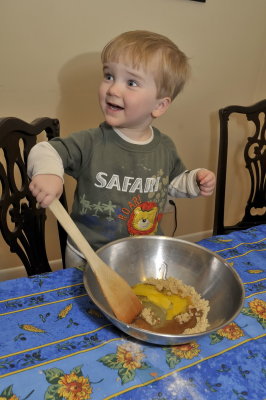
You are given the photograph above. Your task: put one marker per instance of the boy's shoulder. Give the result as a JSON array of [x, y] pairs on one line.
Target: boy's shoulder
[[94, 134], [164, 138], [92, 131]]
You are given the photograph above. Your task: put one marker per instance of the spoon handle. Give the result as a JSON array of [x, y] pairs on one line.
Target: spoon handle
[[120, 296], [72, 230]]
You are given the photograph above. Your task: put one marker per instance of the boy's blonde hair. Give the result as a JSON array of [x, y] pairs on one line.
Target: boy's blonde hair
[[153, 52]]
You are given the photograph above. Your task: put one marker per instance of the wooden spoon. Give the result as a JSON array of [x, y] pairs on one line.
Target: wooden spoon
[[121, 298]]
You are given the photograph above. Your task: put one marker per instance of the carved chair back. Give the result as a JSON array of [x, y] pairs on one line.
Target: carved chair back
[[22, 222], [254, 153]]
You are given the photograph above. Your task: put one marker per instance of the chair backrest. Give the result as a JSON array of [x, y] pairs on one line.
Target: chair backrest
[[22, 222], [254, 154]]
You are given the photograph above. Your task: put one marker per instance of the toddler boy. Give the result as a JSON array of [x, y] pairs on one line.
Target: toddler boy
[[125, 168]]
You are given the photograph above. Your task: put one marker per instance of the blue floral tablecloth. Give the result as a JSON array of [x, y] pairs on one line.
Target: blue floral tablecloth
[[56, 345]]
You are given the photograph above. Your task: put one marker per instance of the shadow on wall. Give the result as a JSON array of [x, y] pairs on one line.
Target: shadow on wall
[[79, 80], [78, 107]]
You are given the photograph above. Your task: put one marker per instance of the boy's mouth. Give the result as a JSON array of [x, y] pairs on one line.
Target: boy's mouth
[[114, 106]]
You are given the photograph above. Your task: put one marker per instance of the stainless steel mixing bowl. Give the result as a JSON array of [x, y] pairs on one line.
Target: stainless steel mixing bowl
[[138, 258]]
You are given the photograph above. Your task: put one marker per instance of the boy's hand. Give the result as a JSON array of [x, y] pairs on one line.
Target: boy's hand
[[206, 182], [46, 188]]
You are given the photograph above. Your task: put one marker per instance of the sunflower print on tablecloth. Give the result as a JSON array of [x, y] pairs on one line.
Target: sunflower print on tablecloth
[[127, 360], [175, 354], [231, 332], [256, 309], [63, 386]]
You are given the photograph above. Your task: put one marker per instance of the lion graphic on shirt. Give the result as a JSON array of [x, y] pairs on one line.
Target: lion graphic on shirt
[[144, 219]]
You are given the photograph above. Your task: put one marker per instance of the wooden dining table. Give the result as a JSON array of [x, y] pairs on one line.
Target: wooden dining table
[[55, 344]]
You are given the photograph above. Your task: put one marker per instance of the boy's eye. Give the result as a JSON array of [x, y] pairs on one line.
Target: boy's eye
[[132, 83], [108, 77]]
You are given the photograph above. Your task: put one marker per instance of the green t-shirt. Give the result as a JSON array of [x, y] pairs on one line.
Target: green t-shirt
[[121, 187]]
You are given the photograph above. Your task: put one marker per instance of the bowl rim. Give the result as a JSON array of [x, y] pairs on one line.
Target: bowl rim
[[189, 336]]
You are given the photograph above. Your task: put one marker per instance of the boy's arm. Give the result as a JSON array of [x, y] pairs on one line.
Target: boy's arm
[[45, 168], [206, 181], [44, 159], [192, 184], [184, 185]]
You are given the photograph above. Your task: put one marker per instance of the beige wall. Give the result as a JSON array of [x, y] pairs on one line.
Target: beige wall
[[50, 66]]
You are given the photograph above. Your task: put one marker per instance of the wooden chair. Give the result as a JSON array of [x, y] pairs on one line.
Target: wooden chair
[[254, 154], [22, 222]]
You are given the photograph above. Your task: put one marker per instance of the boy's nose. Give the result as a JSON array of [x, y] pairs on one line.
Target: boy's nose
[[114, 89]]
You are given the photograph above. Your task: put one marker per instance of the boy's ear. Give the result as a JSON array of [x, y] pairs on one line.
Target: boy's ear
[[161, 107]]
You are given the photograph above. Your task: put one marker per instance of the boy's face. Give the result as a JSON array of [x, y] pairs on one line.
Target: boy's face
[[128, 98]]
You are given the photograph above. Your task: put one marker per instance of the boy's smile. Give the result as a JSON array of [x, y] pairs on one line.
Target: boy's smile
[[113, 107], [128, 98]]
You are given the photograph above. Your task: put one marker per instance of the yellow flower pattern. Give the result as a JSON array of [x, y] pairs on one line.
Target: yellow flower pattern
[[175, 354], [187, 351], [258, 307], [127, 360], [73, 387], [8, 394], [130, 356], [14, 397], [231, 331], [68, 386]]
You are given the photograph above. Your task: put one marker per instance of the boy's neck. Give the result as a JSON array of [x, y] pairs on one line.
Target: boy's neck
[[136, 137]]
